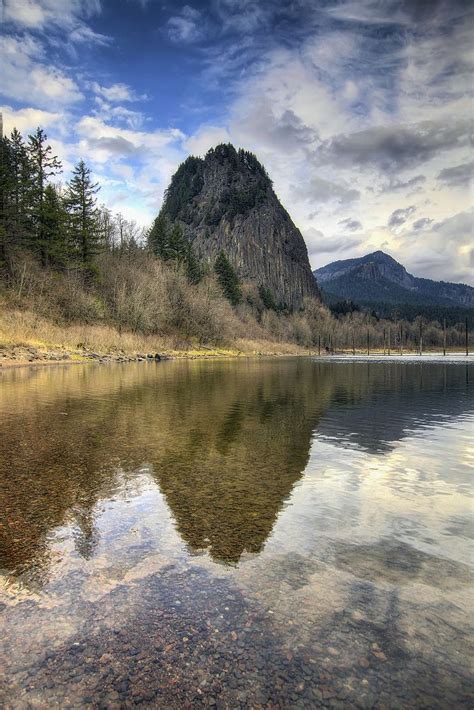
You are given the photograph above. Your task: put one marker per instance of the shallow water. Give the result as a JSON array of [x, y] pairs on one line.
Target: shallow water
[[281, 533]]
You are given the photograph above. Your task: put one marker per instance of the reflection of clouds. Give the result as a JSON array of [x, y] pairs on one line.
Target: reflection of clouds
[[410, 492]]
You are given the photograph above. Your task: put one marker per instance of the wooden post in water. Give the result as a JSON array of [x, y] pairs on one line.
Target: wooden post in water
[[421, 337], [401, 339], [384, 341], [467, 339], [353, 344], [368, 342], [319, 344], [444, 337], [389, 340]]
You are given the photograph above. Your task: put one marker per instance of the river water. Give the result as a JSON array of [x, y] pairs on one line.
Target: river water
[[249, 533]]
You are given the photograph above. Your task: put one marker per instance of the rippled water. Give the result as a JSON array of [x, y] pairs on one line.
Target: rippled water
[[284, 533]]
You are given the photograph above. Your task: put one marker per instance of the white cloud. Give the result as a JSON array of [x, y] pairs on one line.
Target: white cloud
[[452, 237], [186, 26], [104, 141], [138, 163], [207, 137], [26, 120], [119, 115], [317, 190], [116, 93], [26, 13], [66, 15], [27, 77]]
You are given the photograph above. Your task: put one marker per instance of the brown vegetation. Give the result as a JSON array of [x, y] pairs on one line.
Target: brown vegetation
[[140, 304]]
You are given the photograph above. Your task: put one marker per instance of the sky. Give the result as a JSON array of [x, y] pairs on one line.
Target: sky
[[360, 110]]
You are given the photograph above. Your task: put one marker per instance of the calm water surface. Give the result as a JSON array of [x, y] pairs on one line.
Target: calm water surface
[[284, 533]]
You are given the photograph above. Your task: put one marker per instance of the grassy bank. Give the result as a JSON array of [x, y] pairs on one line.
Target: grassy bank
[[27, 337], [137, 305]]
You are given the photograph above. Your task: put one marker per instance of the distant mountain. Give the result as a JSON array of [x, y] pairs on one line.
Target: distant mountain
[[378, 282], [225, 202]]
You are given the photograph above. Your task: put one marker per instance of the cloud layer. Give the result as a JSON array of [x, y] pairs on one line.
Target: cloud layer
[[361, 111]]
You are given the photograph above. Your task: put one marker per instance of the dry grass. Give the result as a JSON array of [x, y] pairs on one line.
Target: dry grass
[[20, 328]]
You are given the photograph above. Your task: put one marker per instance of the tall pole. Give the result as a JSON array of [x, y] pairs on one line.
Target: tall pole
[[421, 337], [384, 341], [353, 344], [319, 344], [444, 337], [368, 342], [467, 339], [389, 340], [401, 339]]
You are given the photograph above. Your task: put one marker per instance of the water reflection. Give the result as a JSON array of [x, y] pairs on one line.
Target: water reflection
[[226, 441], [321, 490]]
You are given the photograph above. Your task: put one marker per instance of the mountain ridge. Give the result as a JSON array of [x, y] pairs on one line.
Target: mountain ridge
[[378, 280]]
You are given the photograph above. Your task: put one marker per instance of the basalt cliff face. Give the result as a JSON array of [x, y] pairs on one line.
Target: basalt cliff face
[[225, 202]]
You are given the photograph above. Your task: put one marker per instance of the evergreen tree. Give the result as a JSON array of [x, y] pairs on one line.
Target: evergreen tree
[[193, 267], [158, 237], [22, 188], [267, 298], [44, 165], [177, 244], [228, 279], [15, 193], [83, 215], [54, 242], [5, 192], [173, 245]]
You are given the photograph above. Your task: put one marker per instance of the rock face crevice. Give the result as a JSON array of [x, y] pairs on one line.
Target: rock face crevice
[[225, 202]]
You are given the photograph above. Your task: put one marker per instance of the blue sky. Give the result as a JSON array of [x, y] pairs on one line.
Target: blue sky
[[360, 110]]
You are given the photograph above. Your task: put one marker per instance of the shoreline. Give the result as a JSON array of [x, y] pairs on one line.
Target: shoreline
[[32, 357]]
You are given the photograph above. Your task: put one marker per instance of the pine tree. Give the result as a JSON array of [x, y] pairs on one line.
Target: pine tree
[[22, 188], [158, 237], [267, 298], [5, 193], [54, 243], [44, 165], [83, 216], [15, 193], [177, 245], [193, 267], [173, 245], [228, 279]]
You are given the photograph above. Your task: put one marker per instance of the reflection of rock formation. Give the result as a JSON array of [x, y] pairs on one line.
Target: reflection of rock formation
[[237, 454], [375, 405], [226, 440]]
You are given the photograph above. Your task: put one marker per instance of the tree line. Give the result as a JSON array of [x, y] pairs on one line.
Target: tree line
[[61, 225]]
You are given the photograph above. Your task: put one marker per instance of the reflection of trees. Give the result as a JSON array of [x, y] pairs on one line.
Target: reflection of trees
[[226, 440], [86, 536]]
